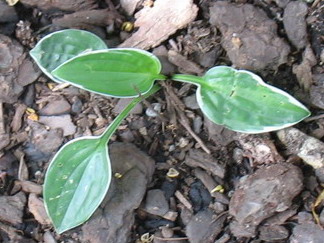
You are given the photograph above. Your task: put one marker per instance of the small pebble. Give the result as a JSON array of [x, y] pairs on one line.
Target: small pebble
[[172, 147], [155, 111], [183, 142]]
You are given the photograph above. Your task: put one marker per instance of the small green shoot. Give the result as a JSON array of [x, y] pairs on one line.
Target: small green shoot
[[79, 175]]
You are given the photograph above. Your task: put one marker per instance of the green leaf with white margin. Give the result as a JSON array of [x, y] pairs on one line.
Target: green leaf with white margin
[[120, 72], [58, 47], [79, 176], [243, 102]]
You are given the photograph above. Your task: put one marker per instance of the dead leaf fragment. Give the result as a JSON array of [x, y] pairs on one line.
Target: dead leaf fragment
[[157, 23]]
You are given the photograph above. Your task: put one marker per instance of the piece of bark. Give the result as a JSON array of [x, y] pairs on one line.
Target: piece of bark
[[9, 164], [185, 65], [206, 179], [56, 106], [197, 158], [295, 23], [86, 18], [263, 194], [248, 35], [281, 217], [306, 233], [12, 208], [30, 187], [273, 233], [183, 200], [317, 91], [219, 134], [75, 5], [204, 227], [37, 208], [63, 122], [28, 72], [17, 119], [309, 149], [156, 202], [13, 235], [157, 23], [303, 70], [4, 140], [42, 142], [16, 70]]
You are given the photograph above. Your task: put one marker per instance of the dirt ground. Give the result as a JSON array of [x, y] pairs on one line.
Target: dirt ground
[[186, 179]]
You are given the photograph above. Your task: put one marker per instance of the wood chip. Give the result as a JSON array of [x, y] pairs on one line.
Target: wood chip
[[12, 208], [75, 5], [30, 187], [23, 173], [183, 200], [157, 23], [84, 19], [197, 158], [16, 120], [183, 63], [206, 179]]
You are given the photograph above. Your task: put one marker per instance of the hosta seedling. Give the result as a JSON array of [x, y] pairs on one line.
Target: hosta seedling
[[79, 175]]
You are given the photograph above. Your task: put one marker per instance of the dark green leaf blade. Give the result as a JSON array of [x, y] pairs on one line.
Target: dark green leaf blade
[[76, 182], [112, 72], [58, 47], [243, 102]]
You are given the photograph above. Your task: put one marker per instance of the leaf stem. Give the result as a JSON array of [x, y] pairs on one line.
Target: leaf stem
[[161, 77], [188, 79], [116, 122]]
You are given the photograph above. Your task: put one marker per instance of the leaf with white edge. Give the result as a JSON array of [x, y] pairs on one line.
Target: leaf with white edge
[[113, 72], [76, 182], [243, 102], [58, 47], [79, 175]]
